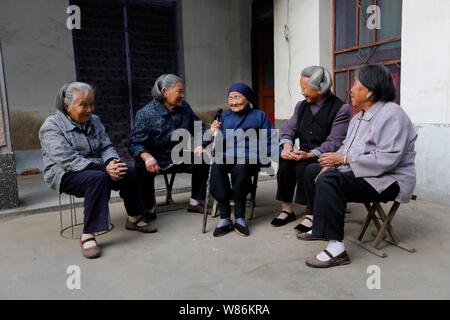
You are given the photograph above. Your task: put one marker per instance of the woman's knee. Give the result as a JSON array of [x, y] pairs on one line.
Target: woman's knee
[[97, 181], [131, 174], [240, 169], [97, 177], [312, 170], [285, 167], [330, 177]]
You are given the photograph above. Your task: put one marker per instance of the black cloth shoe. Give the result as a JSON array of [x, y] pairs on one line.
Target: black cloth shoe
[[221, 231], [302, 228], [243, 231], [281, 222]]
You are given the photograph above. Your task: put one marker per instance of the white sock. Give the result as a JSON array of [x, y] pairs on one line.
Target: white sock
[[194, 202], [334, 247]]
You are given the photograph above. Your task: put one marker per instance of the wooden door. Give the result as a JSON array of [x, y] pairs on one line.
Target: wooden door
[[264, 67]]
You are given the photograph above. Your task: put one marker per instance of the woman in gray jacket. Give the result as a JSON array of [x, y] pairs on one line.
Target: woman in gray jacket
[[80, 160], [375, 163]]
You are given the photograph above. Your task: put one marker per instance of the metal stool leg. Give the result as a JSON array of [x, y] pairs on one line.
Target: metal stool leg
[[74, 220]]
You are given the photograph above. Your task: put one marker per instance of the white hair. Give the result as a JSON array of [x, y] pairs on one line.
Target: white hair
[[73, 91], [69, 93], [165, 81], [319, 78]]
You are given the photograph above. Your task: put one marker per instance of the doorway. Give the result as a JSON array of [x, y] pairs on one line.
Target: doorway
[[263, 55]]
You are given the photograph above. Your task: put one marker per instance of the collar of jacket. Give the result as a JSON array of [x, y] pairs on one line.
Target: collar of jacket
[[244, 111], [70, 126], [164, 110], [367, 116], [323, 100]]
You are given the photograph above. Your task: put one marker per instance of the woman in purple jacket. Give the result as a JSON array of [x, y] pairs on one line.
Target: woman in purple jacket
[[320, 123], [375, 163]]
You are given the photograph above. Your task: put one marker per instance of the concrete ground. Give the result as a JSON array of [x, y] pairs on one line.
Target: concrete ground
[[179, 262]]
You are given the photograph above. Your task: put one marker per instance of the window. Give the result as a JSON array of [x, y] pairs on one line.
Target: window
[[357, 44]]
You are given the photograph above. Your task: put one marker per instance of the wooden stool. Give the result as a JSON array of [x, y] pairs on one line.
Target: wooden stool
[[383, 223]]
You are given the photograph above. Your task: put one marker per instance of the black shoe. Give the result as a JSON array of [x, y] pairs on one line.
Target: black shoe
[[221, 231], [277, 222], [243, 231], [302, 228]]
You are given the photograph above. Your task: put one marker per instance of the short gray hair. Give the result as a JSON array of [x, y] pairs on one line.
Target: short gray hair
[[165, 81], [70, 92], [319, 78]]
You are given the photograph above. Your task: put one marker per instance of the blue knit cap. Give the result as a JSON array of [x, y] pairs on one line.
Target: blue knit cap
[[245, 90]]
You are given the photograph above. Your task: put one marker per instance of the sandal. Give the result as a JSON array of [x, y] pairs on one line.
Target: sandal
[[92, 252], [340, 260], [277, 222], [302, 228], [306, 236], [133, 226]]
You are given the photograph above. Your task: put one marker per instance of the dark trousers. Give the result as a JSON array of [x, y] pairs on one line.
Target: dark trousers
[[241, 183], [292, 174], [95, 187], [198, 181], [328, 197]]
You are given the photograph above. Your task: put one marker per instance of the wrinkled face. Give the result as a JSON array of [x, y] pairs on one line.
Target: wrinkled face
[[312, 95], [237, 101], [82, 108], [174, 96], [359, 94]]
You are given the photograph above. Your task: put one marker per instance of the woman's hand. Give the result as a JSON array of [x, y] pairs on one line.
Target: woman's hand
[[287, 153], [332, 159], [150, 163], [116, 169], [303, 155], [198, 151], [215, 126]]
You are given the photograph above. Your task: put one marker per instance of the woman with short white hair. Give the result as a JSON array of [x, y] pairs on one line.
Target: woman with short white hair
[[319, 123], [80, 160]]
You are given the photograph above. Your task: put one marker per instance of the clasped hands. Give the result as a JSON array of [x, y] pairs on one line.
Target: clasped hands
[[326, 160], [116, 169]]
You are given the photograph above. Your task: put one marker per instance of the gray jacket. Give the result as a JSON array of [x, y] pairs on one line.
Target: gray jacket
[[66, 148], [380, 148]]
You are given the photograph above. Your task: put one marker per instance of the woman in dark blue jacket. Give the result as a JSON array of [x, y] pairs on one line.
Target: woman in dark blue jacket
[[151, 142], [243, 144]]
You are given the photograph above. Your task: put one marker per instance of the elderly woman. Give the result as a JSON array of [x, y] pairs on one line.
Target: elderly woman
[[320, 123], [376, 163], [80, 160], [242, 117], [151, 142]]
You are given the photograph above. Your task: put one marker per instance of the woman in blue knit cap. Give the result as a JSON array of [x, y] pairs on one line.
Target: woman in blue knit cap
[[239, 128]]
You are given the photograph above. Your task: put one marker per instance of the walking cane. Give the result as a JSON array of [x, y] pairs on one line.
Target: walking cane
[[205, 214]]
